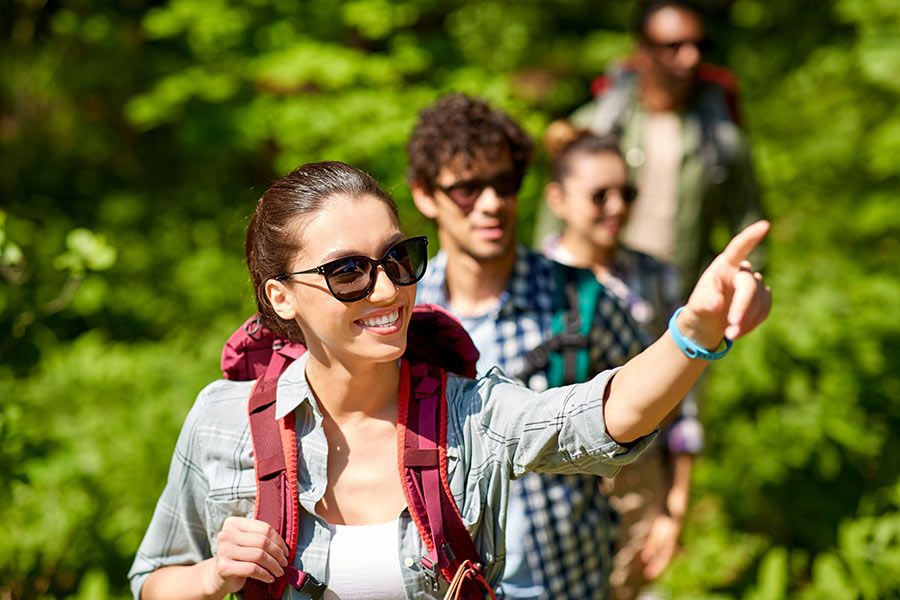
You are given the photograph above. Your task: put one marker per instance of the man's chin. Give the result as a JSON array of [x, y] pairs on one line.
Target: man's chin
[[489, 251]]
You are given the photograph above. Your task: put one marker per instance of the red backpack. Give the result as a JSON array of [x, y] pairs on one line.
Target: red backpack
[[435, 338]]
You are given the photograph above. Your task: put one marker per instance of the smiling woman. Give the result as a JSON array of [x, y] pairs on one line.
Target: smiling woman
[[346, 403]]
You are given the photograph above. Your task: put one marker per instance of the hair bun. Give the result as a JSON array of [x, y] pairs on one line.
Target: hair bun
[[559, 134]]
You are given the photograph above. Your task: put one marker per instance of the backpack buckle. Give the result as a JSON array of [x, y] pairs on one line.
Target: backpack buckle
[[430, 570], [313, 587]]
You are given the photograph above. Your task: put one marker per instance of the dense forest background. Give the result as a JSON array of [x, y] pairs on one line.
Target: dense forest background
[[135, 137]]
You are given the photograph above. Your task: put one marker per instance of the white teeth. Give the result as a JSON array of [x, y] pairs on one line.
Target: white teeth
[[383, 320]]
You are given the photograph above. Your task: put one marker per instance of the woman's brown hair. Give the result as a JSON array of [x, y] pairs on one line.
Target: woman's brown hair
[[273, 235], [563, 141]]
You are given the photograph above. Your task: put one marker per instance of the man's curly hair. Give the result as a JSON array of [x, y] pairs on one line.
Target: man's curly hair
[[456, 130]]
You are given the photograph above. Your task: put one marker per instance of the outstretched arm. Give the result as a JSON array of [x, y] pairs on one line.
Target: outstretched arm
[[729, 300]]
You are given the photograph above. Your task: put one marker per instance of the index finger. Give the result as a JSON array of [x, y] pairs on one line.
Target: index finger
[[741, 245]]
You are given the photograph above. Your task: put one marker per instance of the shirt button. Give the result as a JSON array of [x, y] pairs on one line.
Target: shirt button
[[634, 157], [409, 562]]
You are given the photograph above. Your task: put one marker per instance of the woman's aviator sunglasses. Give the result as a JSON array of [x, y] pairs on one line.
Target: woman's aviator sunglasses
[[352, 278]]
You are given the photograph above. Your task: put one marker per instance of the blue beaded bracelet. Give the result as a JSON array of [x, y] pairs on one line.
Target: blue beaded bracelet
[[690, 348]]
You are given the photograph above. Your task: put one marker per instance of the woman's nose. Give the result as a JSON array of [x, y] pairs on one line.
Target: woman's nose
[[384, 288], [615, 203]]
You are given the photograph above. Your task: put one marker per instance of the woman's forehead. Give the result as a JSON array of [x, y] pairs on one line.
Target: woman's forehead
[[594, 165], [355, 225]]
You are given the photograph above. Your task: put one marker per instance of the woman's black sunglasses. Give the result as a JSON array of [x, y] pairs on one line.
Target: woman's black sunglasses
[[352, 278], [628, 192]]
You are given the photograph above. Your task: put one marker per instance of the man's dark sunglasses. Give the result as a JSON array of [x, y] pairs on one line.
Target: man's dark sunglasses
[[465, 193], [353, 278], [628, 192], [703, 45]]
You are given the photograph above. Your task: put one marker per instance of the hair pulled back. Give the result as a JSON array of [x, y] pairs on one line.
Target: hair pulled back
[[273, 235], [563, 142]]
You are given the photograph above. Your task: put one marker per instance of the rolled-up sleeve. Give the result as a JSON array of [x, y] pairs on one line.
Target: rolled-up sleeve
[[561, 430], [177, 535]]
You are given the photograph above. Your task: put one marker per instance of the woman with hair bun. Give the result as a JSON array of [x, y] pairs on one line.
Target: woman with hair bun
[[591, 195]]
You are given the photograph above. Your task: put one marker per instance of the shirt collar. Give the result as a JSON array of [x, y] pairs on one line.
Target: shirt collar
[[520, 289], [293, 389]]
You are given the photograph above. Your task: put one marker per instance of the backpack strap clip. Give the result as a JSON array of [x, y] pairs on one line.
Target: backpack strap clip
[[430, 569], [304, 582]]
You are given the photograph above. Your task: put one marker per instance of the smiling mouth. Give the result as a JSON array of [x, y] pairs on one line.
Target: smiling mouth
[[387, 320]]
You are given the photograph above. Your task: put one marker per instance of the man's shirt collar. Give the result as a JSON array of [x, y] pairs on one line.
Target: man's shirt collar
[[521, 290]]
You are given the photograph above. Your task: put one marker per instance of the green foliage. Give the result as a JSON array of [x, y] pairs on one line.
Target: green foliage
[[91, 453], [135, 138]]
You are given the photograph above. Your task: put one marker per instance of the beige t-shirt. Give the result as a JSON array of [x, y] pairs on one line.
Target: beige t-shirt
[[651, 225]]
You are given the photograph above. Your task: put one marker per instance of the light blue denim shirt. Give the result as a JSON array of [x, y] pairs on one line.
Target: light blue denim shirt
[[497, 430]]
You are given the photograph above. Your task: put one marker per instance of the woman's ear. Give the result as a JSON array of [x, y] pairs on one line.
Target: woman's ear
[[553, 193], [281, 299], [424, 200]]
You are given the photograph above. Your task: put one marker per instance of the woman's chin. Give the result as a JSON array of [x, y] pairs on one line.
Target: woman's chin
[[386, 352]]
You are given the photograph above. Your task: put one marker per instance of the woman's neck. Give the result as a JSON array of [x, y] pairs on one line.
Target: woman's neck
[[587, 254], [354, 391]]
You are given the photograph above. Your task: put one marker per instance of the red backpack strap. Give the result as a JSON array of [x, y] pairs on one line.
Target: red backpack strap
[[730, 85], [275, 457], [422, 439]]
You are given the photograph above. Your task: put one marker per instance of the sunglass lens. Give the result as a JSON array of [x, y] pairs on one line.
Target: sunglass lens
[[600, 196], [405, 262], [465, 195], [629, 193], [349, 279], [507, 185]]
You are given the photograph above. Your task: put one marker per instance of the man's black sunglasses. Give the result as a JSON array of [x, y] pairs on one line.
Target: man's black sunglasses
[[353, 278], [465, 193], [627, 191]]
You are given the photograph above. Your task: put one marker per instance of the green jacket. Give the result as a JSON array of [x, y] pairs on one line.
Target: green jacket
[[717, 193]]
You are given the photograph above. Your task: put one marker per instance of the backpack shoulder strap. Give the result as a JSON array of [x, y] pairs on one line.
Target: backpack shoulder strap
[[577, 292], [728, 82], [422, 440], [566, 353], [275, 458]]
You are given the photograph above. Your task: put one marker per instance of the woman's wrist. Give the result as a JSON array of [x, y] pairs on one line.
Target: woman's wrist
[[692, 327], [213, 584]]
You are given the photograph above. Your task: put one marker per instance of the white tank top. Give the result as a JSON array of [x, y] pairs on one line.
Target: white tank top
[[364, 563]]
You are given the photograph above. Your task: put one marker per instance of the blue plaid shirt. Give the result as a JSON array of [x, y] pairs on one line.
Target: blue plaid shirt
[[567, 542]]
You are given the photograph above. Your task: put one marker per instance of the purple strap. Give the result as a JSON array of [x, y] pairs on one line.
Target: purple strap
[[426, 396], [275, 504]]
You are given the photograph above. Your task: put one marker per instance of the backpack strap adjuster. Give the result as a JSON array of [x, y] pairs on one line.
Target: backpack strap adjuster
[[313, 587], [304, 582], [430, 570]]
